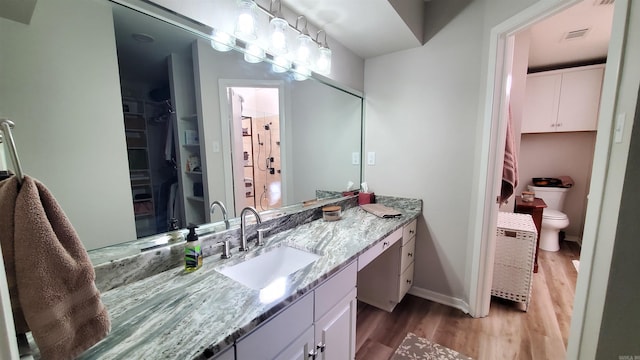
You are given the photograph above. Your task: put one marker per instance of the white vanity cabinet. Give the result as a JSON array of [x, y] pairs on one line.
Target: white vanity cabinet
[[335, 316], [384, 281], [563, 100], [320, 325], [280, 334]]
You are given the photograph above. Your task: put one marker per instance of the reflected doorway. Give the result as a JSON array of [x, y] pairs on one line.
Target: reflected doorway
[[255, 147]]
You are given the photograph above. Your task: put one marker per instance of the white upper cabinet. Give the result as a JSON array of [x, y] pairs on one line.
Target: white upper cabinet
[[563, 100]]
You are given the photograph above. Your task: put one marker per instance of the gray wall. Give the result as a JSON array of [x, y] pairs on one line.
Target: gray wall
[[323, 142], [53, 95], [422, 115]]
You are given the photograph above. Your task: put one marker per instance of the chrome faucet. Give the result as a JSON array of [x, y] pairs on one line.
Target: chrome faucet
[[224, 212], [243, 226]]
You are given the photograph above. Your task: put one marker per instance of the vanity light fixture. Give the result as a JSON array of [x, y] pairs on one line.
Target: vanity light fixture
[[278, 30], [222, 41], [308, 55], [303, 52], [246, 21], [323, 63]]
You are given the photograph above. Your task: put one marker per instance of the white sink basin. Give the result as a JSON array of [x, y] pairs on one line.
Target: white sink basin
[[262, 270]]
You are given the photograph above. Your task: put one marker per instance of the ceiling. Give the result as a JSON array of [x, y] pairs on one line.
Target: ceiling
[[368, 27], [373, 27], [549, 45]]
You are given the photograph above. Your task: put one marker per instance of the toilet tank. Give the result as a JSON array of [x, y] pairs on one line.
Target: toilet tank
[[552, 196]]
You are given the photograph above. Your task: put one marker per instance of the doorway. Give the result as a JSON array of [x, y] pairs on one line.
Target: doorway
[[493, 139], [255, 138]]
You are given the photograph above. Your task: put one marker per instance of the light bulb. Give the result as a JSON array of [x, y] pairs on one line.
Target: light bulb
[[278, 36], [301, 72], [246, 23], [222, 41], [254, 53], [304, 49], [281, 64], [323, 65]]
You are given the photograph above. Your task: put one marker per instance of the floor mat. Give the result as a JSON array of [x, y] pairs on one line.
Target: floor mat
[[415, 347]]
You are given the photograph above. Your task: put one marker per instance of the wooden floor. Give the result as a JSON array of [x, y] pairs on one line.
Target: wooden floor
[[507, 333]]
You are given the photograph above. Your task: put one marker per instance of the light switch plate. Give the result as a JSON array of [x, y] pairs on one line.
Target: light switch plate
[[355, 158], [371, 158]]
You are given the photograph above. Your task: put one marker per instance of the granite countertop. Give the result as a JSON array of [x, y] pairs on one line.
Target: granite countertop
[[181, 315]]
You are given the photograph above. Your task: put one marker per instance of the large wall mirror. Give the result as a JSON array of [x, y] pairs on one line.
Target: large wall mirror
[[131, 121]]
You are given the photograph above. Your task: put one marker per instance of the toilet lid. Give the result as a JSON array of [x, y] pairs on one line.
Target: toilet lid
[[553, 214]]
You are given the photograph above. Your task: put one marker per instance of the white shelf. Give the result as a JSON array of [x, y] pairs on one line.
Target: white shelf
[[193, 172], [190, 117], [196, 198], [191, 145]]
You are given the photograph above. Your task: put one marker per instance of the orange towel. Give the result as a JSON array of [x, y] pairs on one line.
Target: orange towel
[[49, 272]]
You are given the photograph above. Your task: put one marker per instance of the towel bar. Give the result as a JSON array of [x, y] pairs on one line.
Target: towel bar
[[5, 126]]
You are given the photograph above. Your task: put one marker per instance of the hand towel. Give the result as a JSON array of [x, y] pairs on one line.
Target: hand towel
[[510, 165], [380, 210], [53, 275], [565, 181]]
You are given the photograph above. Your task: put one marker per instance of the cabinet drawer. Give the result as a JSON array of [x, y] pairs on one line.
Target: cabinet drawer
[[406, 280], [408, 232], [379, 248], [408, 251], [335, 289], [270, 339]]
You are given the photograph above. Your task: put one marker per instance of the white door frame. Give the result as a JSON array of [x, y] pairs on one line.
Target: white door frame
[[483, 224], [226, 131]]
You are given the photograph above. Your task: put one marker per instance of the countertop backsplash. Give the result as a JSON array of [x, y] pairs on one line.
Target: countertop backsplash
[[130, 264]]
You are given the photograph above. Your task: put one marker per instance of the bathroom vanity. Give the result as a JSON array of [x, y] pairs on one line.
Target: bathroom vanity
[[206, 314]]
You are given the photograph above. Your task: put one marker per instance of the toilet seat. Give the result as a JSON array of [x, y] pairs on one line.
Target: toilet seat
[[551, 214]]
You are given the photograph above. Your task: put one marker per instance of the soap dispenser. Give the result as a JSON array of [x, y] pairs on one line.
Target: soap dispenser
[[174, 232], [192, 251]]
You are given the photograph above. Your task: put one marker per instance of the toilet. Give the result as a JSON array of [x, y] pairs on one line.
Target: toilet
[[553, 219]]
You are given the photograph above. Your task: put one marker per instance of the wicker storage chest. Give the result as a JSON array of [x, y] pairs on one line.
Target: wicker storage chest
[[514, 258]]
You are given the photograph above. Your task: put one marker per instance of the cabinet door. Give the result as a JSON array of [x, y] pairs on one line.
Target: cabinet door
[[580, 100], [541, 103], [271, 338], [299, 348], [336, 331]]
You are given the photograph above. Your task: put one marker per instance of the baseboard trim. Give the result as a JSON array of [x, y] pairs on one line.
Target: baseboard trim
[[574, 238], [440, 298]]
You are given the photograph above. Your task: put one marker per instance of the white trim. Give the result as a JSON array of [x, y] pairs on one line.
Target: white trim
[[440, 298], [599, 231]]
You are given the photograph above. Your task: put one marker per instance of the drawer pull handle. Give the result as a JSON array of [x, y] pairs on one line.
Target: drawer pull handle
[[385, 244], [409, 254], [412, 232], [408, 281], [313, 354], [321, 347]]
